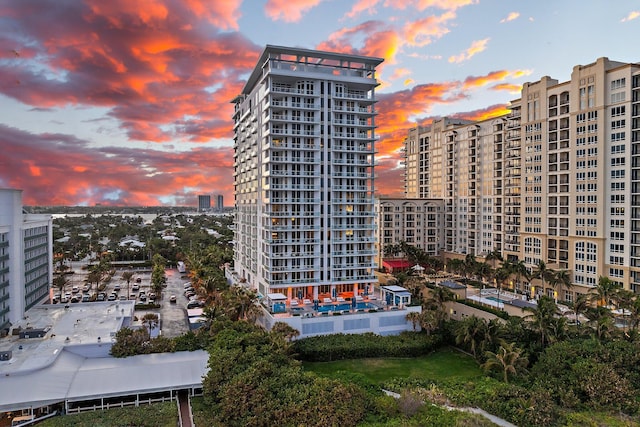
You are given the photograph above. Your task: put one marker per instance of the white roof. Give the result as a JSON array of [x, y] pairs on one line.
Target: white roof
[[276, 296], [73, 377]]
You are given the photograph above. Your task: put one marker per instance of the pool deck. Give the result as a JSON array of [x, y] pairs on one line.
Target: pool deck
[[307, 310]]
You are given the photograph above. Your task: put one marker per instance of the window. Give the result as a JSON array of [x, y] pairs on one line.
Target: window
[[617, 124], [618, 83], [617, 136], [617, 97], [617, 111]]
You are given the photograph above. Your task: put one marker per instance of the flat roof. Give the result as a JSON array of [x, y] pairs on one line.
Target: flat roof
[[70, 325], [394, 288], [76, 378], [452, 285], [317, 55]]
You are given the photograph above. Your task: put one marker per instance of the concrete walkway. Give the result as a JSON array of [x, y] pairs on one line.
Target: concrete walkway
[[496, 420]]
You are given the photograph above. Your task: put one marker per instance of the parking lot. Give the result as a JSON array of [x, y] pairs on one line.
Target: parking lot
[[173, 316]]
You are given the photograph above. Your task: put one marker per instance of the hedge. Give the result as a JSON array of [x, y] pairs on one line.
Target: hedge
[[501, 314], [356, 346]]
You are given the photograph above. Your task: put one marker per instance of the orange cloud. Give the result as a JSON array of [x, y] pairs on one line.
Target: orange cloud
[[423, 31], [289, 10], [631, 16], [509, 87], [511, 17], [475, 48]]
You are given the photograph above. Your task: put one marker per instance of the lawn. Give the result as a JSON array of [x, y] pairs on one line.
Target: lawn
[[444, 364], [154, 415]]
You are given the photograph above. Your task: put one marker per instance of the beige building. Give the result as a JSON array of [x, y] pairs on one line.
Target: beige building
[[417, 222], [555, 180]]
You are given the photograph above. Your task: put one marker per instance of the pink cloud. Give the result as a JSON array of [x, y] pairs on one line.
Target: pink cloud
[[289, 10]]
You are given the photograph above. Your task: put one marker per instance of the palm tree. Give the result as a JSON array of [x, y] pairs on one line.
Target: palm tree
[[542, 317], [484, 270], [60, 282], [560, 278], [429, 320], [493, 256], [150, 320], [455, 266], [605, 290], [471, 332], [542, 272], [508, 360], [414, 318], [519, 268], [127, 276], [580, 305]]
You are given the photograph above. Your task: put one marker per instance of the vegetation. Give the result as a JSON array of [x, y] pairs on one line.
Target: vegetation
[[356, 346], [154, 415]]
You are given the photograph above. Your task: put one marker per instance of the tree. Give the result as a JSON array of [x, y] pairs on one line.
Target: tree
[[150, 321], [580, 305], [285, 331], [507, 360], [493, 256], [605, 291], [414, 318], [542, 272], [559, 279], [542, 317], [471, 332], [127, 276], [60, 282], [94, 276]]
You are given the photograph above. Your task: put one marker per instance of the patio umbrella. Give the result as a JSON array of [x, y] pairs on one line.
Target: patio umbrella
[[418, 267]]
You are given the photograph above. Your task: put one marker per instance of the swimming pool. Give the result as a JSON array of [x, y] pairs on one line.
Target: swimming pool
[[345, 306], [496, 299]]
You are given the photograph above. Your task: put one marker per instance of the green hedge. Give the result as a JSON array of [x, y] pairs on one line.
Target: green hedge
[[501, 314], [356, 346]]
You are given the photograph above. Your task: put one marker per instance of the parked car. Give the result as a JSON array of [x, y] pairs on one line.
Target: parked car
[[194, 304], [132, 297], [75, 290], [138, 280], [85, 288], [116, 287], [86, 298], [173, 299], [135, 287], [152, 296], [101, 297], [123, 297], [112, 297]]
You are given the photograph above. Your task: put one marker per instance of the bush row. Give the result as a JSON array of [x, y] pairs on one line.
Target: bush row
[[355, 346], [501, 314]]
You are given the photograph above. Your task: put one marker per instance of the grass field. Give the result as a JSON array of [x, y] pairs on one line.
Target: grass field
[[443, 364]]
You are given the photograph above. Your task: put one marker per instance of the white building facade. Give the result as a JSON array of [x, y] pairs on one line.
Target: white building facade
[[304, 174], [26, 258]]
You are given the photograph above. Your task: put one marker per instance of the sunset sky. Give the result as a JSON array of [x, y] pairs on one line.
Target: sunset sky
[[127, 102]]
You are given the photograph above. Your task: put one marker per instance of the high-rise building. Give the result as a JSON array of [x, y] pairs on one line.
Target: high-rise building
[[204, 202], [304, 173], [555, 180], [26, 258], [219, 203]]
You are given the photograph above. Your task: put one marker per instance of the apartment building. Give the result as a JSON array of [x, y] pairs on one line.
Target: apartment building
[[555, 180], [304, 173], [204, 202], [26, 258], [418, 222]]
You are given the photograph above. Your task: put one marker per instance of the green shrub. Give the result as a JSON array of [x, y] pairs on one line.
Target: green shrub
[[501, 314], [356, 346]]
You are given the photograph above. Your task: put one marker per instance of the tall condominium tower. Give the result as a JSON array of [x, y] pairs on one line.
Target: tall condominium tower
[[304, 173], [204, 202], [26, 258], [555, 180]]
